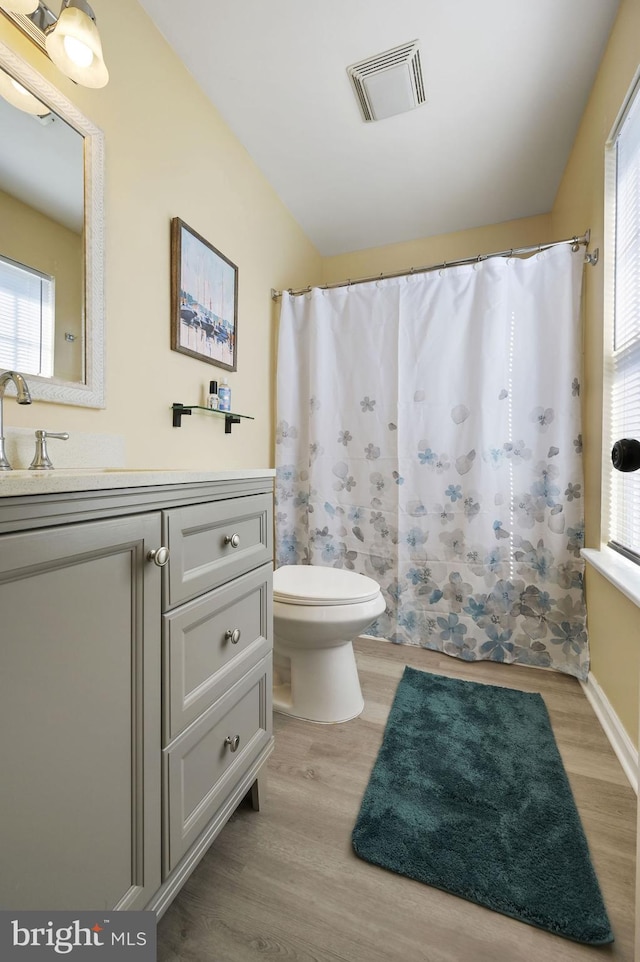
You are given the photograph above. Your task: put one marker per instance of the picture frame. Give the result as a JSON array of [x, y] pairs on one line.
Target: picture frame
[[204, 299]]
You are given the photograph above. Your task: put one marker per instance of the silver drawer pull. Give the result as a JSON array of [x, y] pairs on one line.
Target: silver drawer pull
[[159, 556], [233, 635], [232, 742], [233, 540]]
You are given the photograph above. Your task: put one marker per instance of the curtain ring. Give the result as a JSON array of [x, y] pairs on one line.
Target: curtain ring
[[443, 269]]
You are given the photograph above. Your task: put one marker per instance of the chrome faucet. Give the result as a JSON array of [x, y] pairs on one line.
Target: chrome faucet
[[23, 398]]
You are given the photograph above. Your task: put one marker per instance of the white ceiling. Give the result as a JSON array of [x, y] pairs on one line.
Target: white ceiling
[[506, 83]]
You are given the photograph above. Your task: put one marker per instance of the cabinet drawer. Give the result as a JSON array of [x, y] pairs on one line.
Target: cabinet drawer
[[202, 555], [200, 768], [209, 643]]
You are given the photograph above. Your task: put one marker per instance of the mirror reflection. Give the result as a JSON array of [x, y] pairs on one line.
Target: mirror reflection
[[54, 168], [41, 238]]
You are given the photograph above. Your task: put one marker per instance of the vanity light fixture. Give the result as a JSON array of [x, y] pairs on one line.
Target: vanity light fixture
[[73, 43], [18, 96], [71, 40]]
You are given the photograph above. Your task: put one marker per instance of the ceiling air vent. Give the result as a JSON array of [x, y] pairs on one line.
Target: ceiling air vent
[[389, 83]]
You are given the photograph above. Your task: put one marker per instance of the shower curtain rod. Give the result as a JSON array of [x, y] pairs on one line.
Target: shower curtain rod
[[575, 242]]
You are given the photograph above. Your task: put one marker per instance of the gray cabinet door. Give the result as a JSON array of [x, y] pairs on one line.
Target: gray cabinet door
[[79, 716]]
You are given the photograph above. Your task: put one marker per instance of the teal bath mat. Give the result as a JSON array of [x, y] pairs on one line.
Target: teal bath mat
[[469, 794]]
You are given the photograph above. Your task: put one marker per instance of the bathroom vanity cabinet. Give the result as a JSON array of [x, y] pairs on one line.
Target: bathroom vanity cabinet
[[135, 696]]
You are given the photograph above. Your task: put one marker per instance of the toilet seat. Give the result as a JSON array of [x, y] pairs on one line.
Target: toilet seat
[[315, 585]]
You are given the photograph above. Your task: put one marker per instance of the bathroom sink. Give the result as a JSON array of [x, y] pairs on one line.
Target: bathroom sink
[[24, 481], [75, 472], [133, 470]]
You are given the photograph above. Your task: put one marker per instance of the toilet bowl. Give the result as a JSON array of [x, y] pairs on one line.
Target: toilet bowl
[[317, 612]]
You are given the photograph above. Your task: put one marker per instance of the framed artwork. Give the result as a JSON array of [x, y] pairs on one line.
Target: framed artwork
[[204, 299]]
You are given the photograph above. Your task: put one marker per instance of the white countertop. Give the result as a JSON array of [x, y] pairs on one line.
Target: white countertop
[[20, 483]]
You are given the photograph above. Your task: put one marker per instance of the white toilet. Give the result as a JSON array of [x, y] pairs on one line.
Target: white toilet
[[317, 612]]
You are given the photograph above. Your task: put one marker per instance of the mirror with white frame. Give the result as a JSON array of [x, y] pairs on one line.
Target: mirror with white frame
[[51, 239]]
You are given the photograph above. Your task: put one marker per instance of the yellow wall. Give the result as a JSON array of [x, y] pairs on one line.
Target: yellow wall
[[444, 247], [33, 239], [614, 621], [169, 154]]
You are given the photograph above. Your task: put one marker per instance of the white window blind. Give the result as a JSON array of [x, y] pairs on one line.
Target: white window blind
[[624, 361], [26, 319]]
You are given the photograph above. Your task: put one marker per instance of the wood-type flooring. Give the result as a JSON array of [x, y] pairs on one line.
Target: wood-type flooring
[[283, 884]]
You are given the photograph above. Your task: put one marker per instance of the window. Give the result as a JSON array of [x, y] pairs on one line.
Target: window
[[26, 319], [622, 376]]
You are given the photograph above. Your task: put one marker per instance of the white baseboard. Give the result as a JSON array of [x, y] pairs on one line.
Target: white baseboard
[[620, 742]]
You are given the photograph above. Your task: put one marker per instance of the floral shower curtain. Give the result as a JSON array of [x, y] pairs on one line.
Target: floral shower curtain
[[429, 437]]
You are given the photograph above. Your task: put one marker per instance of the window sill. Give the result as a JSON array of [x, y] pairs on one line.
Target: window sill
[[617, 569]]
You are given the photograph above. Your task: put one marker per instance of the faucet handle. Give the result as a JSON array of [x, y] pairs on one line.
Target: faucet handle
[[41, 460]]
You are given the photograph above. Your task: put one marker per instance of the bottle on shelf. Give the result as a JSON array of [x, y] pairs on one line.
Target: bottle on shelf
[[212, 397], [224, 396]]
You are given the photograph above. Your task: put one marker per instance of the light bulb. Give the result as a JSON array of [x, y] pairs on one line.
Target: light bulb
[[18, 96], [73, 43], [20, 88], [24, 7], [78, 52]]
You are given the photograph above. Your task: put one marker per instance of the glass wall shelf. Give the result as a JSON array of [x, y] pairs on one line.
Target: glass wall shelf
[[230, 417]]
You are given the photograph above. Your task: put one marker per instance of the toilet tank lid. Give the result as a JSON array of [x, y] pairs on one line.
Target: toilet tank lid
[[315, 585]]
